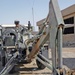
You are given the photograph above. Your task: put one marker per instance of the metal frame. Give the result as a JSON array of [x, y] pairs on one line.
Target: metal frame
[[54, 34]]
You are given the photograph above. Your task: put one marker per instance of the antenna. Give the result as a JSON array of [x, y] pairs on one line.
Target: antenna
[[33, 14]]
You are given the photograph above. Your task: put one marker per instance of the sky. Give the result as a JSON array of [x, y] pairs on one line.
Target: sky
[[22, 10]]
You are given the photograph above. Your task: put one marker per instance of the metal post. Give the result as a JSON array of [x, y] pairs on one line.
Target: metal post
[[54, 60], [56, 54], [59, 48]]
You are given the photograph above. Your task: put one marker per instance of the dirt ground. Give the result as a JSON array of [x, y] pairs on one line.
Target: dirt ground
[[31, 69]]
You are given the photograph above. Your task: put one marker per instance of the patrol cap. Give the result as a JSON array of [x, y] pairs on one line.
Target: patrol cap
[[16, 22]]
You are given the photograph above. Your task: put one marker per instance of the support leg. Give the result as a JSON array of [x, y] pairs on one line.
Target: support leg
[[59, 48], [53, 51]]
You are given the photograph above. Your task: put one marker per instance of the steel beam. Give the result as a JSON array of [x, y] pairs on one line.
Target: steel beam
[[55, 20], [41, 41]]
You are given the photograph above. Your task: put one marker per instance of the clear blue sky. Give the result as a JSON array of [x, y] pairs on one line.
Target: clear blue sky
[[21, 10]]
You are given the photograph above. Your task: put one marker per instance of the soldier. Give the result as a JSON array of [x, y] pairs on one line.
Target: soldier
[[21, 45]]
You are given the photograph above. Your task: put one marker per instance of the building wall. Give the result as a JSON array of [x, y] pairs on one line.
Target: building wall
[[68, 39], [74, 23]]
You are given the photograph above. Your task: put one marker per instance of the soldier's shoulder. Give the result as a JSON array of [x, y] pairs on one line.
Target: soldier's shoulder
[[21, 27]]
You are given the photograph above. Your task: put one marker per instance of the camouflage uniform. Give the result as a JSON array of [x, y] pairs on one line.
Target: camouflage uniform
[[21, 45]]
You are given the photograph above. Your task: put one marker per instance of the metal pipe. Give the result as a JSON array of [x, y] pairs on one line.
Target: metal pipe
[[7, 70], [11, 60], [44, 63], [45, 59], [8, 66], [59, 48], [8, 47]]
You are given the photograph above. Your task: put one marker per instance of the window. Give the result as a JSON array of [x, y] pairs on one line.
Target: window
[[69, 20], [69, 30]]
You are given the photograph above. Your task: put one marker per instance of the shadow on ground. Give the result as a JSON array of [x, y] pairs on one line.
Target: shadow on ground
[[69, 62]]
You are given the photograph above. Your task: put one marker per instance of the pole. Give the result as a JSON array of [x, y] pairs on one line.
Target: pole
[[33, 17], [59, 48]]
